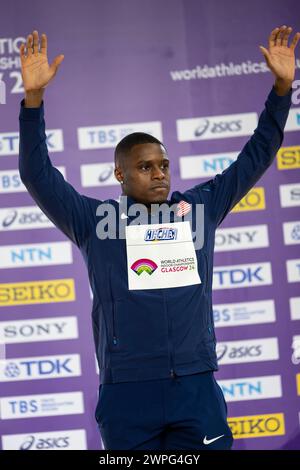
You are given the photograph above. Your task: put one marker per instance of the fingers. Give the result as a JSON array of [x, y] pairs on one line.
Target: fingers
[[29, 45], [44, 44], [265, 53], [278, 39], [56, 62], [285, 36], [273, 37], [32, 45], [22, 52], [295, 41], [35, 42]]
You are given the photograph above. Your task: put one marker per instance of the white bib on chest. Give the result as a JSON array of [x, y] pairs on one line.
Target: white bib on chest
[[161, 256]]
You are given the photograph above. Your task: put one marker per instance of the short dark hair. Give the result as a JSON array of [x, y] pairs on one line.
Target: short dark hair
[[126, 144]]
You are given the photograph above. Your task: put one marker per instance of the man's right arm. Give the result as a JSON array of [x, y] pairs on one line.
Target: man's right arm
[[70, 211], [33, 98]]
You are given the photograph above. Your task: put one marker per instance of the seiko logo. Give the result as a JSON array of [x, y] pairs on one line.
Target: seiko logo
[[53, 290], [257, 425]]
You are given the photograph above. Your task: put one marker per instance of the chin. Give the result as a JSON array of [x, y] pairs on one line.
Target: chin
[[159, 199]]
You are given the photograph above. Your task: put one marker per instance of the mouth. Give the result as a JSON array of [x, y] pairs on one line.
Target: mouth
[[162, 186]]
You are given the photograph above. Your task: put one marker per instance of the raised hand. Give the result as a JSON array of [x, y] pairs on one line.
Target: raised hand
[[280, 57], [36, 72]]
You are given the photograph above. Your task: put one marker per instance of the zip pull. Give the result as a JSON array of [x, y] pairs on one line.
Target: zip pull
[[115, 340], [172, 373]]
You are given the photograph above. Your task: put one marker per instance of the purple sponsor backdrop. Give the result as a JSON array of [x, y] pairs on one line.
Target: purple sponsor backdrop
[[117, 70]]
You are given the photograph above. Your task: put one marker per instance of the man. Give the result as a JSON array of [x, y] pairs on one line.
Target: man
[[152, 288]]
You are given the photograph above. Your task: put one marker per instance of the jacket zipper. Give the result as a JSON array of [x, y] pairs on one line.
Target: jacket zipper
[[206, 271], [210, 330], [115, 340], [172, 372], [114, 330]]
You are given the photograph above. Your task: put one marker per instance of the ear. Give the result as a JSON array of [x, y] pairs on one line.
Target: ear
[[119, 174]]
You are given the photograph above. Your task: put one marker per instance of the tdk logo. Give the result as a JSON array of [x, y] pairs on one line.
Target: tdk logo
[[163, 233], [9, 142], [45, 367], [242, 275], [295, 233], [31, 368]]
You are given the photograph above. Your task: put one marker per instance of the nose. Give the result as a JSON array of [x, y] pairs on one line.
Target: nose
[[158, 174]]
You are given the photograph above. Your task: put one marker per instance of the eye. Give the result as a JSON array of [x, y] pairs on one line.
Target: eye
[[145, 167]]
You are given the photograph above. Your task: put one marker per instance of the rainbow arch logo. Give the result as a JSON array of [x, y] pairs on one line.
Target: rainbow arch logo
[[144, 265]]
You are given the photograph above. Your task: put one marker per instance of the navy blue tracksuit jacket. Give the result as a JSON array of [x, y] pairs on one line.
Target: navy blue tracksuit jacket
[[152, 333]]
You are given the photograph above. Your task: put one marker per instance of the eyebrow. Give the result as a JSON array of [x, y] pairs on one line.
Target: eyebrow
[[150, 160]]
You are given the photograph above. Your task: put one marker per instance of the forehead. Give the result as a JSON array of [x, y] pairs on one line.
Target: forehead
[[148, 152]]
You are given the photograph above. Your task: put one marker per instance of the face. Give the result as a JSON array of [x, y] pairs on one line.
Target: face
[[146, 174]]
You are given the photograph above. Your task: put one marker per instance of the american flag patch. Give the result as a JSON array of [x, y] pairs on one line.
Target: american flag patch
[[183, 208]]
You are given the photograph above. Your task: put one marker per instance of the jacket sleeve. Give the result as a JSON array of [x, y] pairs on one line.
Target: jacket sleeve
[[229, 187], [70, 211]]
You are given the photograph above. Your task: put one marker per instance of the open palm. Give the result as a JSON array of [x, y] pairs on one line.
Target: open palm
[[280, 57], [35, 69]]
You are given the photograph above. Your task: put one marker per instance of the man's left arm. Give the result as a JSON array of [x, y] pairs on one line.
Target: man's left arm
[[229, 187]]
